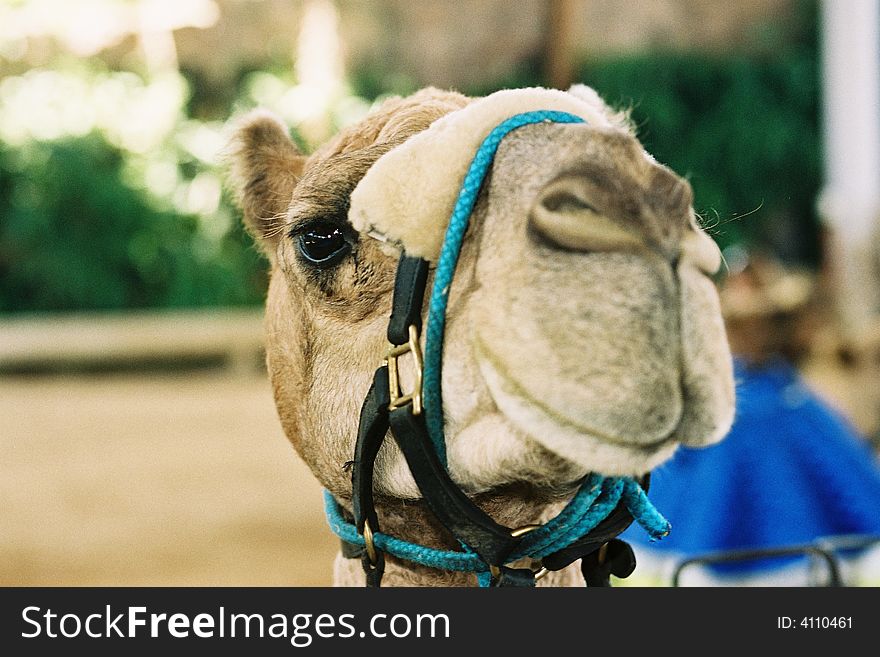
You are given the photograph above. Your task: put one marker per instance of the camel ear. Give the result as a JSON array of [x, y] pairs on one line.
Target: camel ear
[[264, 167]]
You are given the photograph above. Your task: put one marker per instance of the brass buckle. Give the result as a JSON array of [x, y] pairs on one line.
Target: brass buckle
[[541, 572], [603, 554], [369, 545], [398, 399]]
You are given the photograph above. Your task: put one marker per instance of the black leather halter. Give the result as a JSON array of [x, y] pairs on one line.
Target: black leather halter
[[386, 407]]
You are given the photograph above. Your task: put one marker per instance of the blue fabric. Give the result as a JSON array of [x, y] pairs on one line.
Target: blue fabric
[[790, 471]]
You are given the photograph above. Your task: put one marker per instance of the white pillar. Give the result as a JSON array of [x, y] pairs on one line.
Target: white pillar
[[850, 202]]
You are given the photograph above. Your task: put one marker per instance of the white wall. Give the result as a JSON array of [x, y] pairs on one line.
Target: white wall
[[850, 202]]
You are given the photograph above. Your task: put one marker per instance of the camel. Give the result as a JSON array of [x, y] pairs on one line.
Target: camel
[[583, 331]]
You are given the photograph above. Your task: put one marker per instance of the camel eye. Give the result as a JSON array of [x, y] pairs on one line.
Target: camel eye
[[323, 244]]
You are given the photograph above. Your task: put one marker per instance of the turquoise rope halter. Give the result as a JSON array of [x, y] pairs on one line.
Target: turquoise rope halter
[[446, 263], [597, 497]]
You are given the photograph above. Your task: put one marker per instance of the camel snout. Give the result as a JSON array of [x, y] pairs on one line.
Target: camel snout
[[576, 212], [668, 194], [569, 216]]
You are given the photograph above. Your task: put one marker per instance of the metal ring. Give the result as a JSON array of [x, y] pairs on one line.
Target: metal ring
[[395, 352], [541, 572], [522, 531], [369, 545]]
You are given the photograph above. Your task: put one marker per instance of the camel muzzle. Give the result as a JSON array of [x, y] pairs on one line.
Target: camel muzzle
[[586, 528]]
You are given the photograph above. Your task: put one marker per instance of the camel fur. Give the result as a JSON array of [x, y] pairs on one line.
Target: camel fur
[[583, 329]]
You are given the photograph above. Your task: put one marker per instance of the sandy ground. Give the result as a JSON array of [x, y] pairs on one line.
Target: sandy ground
[[165, 481]]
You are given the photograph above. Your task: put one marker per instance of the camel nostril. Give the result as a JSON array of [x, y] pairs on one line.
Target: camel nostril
[[669, 194], [566, 216], [562, 201]]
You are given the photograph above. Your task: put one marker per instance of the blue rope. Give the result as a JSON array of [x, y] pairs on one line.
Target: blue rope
[[449, 252], [597, 496], [645, 513], [468, 561], [577, 519], [595, 500]]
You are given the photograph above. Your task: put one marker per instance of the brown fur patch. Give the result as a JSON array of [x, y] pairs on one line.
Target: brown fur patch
[[267, 172], [264, 167], [394, 121]]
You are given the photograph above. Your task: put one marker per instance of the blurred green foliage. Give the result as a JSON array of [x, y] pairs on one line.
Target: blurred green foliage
[[743, 127], [76, 235], [97, 220], [744, 130]]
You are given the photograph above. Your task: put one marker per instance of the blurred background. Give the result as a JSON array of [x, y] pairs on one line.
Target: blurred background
[[138, 438]]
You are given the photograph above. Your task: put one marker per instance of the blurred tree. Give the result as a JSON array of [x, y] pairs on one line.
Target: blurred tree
[[109, 184], [745, 130], [743, 126], [76, 236]]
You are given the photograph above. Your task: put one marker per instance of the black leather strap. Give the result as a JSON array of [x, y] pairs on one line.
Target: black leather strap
[[374, 571], [518, 577], [467, 522], [371, 433], [452, 507], [372, 430], [613, 525], [616, 559], [409, 292]]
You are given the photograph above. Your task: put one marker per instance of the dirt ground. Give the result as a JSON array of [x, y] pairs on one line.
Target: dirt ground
[[165, 481], [176, 480]]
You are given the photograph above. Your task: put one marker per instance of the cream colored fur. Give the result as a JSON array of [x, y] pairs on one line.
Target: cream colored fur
[[408, 195], [583, 331]]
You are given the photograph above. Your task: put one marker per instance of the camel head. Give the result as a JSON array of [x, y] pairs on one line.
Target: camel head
[[583, 331]]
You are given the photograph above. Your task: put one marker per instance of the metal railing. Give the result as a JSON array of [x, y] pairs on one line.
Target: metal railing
[[825, 551]]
